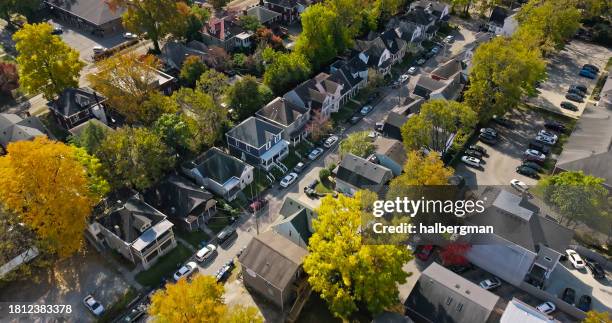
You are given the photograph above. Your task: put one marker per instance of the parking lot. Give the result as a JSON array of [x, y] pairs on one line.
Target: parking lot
[[562, 71], [84, 42]]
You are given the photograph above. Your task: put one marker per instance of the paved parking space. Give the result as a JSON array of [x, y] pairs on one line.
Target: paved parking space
[[85, 42], [562, 71]]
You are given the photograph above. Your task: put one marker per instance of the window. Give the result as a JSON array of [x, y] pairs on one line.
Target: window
[[449, 300], [548, 259], [459, 307]]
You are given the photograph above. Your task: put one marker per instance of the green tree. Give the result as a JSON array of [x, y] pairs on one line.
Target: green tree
[[437, 121], [156, 105], [246, 96], [134, 157], [46, 64], [358, 144], [174, 131], [213, 83], [554, 20], [23, 7], [597, 317], [284, 70], [192, 69], [342, 269], [322, 36], [90, 138], [502, 71], [218, 4], [250, 23], [576, 196], [196, 20]]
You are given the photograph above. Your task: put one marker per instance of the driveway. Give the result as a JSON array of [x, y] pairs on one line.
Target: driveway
[[562, 71], [67, 283], [84, 42]]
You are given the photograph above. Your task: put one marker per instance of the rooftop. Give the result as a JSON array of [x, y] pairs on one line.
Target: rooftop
[[74, 100], [177, 196], [217, 166], [392, 148], [281, 111], [262, 14], [14, 128], [94, 11], [361, 173], [517, 311], [254, 132]]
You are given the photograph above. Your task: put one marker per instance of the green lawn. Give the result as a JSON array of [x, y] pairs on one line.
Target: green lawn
[[194, 238], [259, 184], [323, 189], [345, 112], [304, 147], [218, 222], [117, 307], [165, 266]]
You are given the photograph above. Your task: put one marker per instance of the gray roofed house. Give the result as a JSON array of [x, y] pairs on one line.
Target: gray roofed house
[[392, 128], [355, 173], [378, 56], [409, 31], [219, 173], [77, 105], [13, 128], [264, 15], [448, 69], [272, 266], [93, 15], [320, 93], [174, 53], [292, 118], [588, 148], [352, 73], [441, 296], [290, 10], [421, 18], [429, 88], [295, 222], [390, 153], [187, 204], [517, 311], [439, 9], [135, 229], [496, 19], [225, 33]]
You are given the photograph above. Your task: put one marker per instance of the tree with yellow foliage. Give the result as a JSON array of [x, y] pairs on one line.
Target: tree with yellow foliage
[[200, 300], [52, 188]]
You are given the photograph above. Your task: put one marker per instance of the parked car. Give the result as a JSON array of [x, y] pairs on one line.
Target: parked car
[[403, 78], [315, 153], [575, 259], [355, 119], [527, 171], [435, 50], [289, 179], [569, 296], [299, 167], [420, 61], [223, 273], [489, 131], [372, 97], [536, 155], [135, 314], [57, 30], [185, 271], [580, 87], [473, 153], [539, 147], [546, 307], [487, 139], [309, 189], [588, 74], [330, 141], [449, 39], [471, 161], [584, 303], [226, 235], [481, 149], [502, 121], [548, 134], [532, 165], [412, 70], [93, 305], [365, 110], [590, 67], [205, 253], [490, 283], [574, 97], [99, 49], [518, 185], [423, 252], [596, 269], [459, 269], [130, 36], [257, 205], [545, 140], [576, 91], [554, 125]]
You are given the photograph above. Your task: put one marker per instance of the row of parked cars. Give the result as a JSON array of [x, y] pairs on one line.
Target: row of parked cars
[[540, 146], [589, 71], [314, 154], [576, 93]]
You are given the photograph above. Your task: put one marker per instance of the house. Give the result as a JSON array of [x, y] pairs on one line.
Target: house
[[395, 44], [409, 31], [355, 173], [226, 34], [439, 10], [14, 128], [448, 89], [355, 73], [77, 105], [605, 96], [219, 173], [272, 267], [174, 53], [290, 10], [295, 222], [440, 295], [423, 19], [91, 16], [449, 69], [390, 153], [264, 15], [517, 311], [288, 116], [136, 230], [392, 127], [526, 245], [376, 54], [319, 94], [187, 205], [496, 20], [410, 106], [589, 147], [510, 25], [258, 142]]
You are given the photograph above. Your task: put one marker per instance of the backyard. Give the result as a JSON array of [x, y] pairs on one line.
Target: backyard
[[194, 238], [164, 266]]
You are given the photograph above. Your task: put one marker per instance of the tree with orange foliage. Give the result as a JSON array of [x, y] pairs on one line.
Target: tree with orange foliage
[[454, 254], [52, 188]]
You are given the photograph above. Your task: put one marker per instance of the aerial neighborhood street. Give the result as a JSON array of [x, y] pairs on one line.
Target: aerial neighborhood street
[[306, 161]]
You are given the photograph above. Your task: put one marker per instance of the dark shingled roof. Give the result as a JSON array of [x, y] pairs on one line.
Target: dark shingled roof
[[392, 40], [393, 125], [362, 173], [254, 131], [72, 101], [273, 257], [262, 14], [442, 296], [130, 216], [448, 69], [217, 165], [179, 197], [96, 12], [281, 111], [498, 15], [419, 17], [297, 214], [284, 3]]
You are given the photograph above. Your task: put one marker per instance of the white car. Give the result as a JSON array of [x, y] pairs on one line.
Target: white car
[[489, 284], [92, 305], [546, 307], [365, 110], [330, 141], [98, 49], [129, 36], [519, 186], [575, 259], [548, 134], [471, 161], [489, 131], [449, 39], [412, 70], [185, 271], [287, 180], [315, 153], [403, 78], [535, 154], [545, 140], [205, 253]]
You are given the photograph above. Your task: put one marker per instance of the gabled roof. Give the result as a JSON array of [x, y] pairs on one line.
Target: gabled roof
[[393, 125], [274, 258], [362, 173], [448, 69], [498, 15], [419, 17], [14, 128], [298, 215], [217, 165], [392, 148], [175, 53], [392, 41], [177, 196], [435, 6], [281, 111], [262, 14], [74, 100], [403, 28], [449, 89], [94, 11], [442, 296], [255, 132]]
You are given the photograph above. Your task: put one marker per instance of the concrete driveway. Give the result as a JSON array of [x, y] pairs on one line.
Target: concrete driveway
[[562, 71]]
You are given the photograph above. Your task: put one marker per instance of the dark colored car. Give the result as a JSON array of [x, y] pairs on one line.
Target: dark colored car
[[135, 314], [574, 97], [309, 189], [459, 269], [568, 105], [226, 235], [355, 119], [584, 303], [487, 139], [590, 67], [481, 149], [57, 31], [569, 296], [596, 270], [580, 87], [423, 252], [372, 97], [539, 146], [576, 91], [588, 74], [224, 272], [502, 121], [473, 153], [554, 125], [527, 171], [533, 165]]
